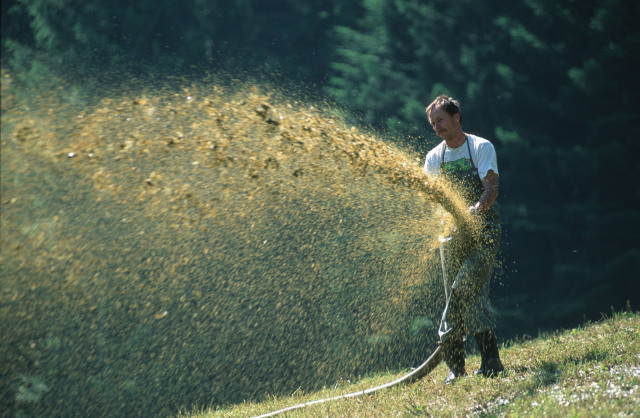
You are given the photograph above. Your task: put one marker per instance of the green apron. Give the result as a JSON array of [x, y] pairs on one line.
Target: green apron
[[467, 263]]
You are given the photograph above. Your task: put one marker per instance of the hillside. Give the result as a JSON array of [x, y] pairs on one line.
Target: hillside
[[592, 370], [178, 245]]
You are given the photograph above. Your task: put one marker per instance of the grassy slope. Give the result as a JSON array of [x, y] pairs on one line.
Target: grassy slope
[[593, 370]]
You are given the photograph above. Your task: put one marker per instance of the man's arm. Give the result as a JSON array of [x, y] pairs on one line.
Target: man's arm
[[490, 183]]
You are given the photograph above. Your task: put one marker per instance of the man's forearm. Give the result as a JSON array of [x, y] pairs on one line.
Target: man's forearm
[[486, 200], [490, 193]]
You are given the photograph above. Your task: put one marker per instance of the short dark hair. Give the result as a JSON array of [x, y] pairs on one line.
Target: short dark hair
[[446, 103]]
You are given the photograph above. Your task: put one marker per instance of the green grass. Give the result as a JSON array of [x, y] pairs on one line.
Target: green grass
[[589, 371]]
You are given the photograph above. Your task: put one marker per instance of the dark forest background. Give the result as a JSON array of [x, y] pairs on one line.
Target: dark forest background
[[554, 85]]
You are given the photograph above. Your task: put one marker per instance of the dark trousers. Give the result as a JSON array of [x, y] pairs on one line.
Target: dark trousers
[[466, 265]]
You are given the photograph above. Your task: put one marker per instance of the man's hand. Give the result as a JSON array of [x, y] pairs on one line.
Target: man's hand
[[475, 209]]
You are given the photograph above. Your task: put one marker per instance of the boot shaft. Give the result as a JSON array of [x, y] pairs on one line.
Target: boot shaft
[[488, 345], [490, 356], [454, 356]]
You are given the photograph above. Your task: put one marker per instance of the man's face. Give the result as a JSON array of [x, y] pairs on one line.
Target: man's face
[[444, 125]]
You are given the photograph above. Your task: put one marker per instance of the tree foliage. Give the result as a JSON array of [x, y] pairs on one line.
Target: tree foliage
[[552, 84]]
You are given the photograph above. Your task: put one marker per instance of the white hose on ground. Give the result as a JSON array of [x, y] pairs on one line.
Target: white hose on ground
[[416, 374]]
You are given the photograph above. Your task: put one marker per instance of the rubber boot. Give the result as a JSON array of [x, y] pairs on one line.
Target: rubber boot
[[490, 364], [454, 358]]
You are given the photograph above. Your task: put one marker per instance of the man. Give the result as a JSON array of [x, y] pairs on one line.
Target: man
[[470, 163]]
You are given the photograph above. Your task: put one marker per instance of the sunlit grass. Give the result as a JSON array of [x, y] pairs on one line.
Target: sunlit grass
[[592, 370], [177, 249]]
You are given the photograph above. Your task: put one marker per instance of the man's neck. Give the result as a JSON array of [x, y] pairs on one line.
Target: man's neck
[[456, 141]]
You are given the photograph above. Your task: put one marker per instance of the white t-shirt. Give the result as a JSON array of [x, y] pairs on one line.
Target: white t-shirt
[[483, 153]]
